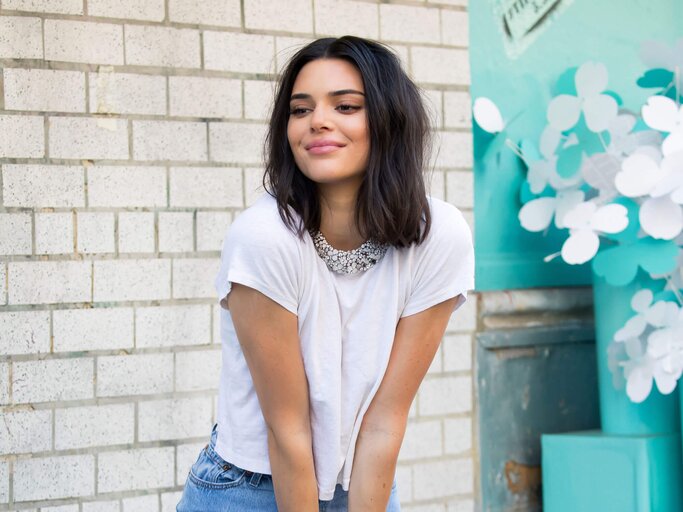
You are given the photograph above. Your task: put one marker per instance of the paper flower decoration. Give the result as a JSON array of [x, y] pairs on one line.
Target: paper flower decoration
[[662, 114], [585, 221], [598, 109], [487, 115]]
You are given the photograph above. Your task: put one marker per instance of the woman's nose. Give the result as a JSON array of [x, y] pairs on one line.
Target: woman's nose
[[319, 119]]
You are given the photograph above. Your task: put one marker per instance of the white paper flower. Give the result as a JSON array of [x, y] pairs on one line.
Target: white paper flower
[[487, 115], [658, 55], [585, 221], [598, 109], [544, 172], [664, 115], [640, 370], [537, 214]]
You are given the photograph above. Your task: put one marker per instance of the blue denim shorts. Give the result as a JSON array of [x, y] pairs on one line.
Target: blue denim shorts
[[214, 484]]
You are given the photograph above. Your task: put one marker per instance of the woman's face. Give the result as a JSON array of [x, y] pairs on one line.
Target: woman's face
[[328, 128]]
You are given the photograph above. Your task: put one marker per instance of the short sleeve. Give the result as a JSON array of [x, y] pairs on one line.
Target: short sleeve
[[259, 252], [444, 263]]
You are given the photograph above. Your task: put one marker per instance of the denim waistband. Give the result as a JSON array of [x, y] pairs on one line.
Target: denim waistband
[[254, 478]]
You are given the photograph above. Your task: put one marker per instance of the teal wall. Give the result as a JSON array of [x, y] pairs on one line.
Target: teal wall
[[521, 81]]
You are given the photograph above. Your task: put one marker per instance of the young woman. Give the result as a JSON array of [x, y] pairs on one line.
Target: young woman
[[336, 287]]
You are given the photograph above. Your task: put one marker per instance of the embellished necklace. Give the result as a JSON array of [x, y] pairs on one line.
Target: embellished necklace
[[348, 262]]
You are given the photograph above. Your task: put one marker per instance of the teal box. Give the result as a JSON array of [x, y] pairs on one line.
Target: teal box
[[591, 471]]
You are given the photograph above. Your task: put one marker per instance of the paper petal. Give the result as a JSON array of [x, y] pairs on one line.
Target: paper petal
[[641, 300], [566, 201], [661, 218], [580, 247], [537, 214], [537, 176], [550, 139], [600, 111], [660, 113], [673, 143], [487, 115], [639, 385], [660, 313], [665, 381], [564, 111], [580, 216], [599, 171], [591, 79], [638, 176], [633, 328], [611, 218]]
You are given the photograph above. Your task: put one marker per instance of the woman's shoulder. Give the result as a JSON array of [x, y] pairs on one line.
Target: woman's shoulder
[[261, 222], [447, 219]]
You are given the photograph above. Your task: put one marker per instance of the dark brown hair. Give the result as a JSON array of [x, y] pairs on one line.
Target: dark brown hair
[[391, 202]]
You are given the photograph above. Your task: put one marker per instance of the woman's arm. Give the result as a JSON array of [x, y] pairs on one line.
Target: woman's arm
[[269, 338], [381, 434]]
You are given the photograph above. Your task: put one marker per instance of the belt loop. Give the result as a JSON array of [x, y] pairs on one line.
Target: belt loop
[[255, 478]]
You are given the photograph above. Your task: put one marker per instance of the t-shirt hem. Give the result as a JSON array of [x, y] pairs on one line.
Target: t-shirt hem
[[241, 461], [252, 282], [437, 299]]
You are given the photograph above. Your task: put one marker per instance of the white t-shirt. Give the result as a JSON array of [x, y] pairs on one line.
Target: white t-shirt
[[346, 325]]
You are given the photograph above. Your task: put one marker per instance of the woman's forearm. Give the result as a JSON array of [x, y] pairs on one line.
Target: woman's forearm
[[294, 480], [374, 466]]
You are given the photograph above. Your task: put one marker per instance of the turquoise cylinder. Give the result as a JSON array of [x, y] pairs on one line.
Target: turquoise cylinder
[[658, 414]]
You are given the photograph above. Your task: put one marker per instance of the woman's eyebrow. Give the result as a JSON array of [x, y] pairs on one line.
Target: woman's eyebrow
[[341, 92]]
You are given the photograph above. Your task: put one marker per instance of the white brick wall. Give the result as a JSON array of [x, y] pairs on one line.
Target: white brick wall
[[130, 136]]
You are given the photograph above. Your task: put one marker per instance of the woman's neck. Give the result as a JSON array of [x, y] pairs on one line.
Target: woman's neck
[[337, 217]]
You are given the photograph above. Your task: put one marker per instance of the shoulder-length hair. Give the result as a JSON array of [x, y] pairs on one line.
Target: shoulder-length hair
[[391, 202]]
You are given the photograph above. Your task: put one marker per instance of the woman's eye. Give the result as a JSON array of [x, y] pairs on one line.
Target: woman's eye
[[348, 108], [297, 111]]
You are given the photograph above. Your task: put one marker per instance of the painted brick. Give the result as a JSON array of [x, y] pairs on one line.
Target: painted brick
[[95, 232], [54, 233], [3, 286], [152, 10], [445, 395], [436, 366], [246, 53], [162, 46], [132, 279], [176, 231], [120, 186], [217, 312], [465, 317], [92, 329], [92, 138], [457, 352], [173, 419], [432, 100], [21, 38], [186, 455], [452, 149], [44, 90], [52, 380], [143, 469], [79, 41], [145, 503], [457, 109], [139, 374], [211, 227], [25, 332], [168, 326], [219, 187], [286, 47], [421, 440], [258, 99], [237, 142], [460, 188], [253, 185], [126, 93], [4, 386], [197, 96], [54, 6], [42, 185], [64, 508], [4, 482], [209, 12], [404, 482], [101, 506], [440, 65], [443, 478], [290, 16], [461, 505], [25, 432], [454, 28], [60, 477], [97, 425], [458, 435], [193, 278], [409, 24], [49, 282], [169, 140], [136, 232], [462, 3], [336, 17], [15, 233], [435, 182], [22, 136], [197, 370]]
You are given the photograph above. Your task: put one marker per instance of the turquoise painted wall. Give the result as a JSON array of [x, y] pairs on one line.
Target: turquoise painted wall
[[521, 80]]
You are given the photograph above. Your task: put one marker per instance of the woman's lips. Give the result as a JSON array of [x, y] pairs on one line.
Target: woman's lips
[[321, 150]]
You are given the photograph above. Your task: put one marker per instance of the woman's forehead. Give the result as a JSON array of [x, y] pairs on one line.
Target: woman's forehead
[[328, 75]]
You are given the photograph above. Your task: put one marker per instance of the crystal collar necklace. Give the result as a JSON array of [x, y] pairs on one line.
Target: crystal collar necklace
[[348, 262]]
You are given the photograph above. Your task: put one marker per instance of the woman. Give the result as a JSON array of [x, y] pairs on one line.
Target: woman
[[335, 291]]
